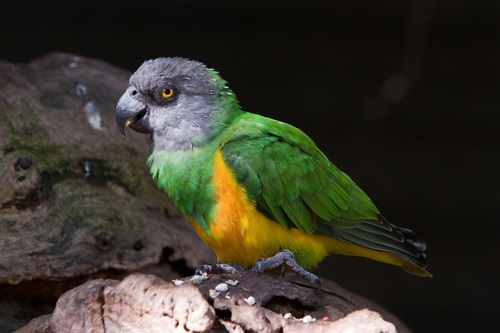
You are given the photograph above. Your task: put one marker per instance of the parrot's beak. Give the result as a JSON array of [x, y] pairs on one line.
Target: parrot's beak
[[131, 112]]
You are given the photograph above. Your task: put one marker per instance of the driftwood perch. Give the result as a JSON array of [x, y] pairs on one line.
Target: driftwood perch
[[79, 211], [251, 303]]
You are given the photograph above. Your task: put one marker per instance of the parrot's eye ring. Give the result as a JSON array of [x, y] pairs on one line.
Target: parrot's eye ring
[[167, 92]]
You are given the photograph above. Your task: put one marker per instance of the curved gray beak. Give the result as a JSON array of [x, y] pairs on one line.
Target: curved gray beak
[[131, 112]]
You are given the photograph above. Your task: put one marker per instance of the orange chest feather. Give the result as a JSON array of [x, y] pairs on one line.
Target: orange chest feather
[[230, 221]]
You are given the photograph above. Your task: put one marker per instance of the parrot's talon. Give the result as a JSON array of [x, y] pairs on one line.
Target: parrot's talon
[[220, 269], [285, 257]]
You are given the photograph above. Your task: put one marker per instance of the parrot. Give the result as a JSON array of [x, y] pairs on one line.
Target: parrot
[[258, 191]]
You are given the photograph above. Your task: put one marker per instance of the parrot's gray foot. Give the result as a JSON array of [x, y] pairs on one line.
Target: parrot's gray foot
[[286, 257], [220, 269]]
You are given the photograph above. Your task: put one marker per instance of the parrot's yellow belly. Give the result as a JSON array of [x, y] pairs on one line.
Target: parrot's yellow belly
[[241, 234]]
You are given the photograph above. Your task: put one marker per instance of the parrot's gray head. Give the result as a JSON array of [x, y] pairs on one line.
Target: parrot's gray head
[[176, 100]]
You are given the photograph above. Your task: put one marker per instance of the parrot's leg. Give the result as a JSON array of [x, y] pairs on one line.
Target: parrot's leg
[[286, 257], [220, 269]]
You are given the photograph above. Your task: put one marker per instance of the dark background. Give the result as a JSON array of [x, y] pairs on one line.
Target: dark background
[[401, 95]]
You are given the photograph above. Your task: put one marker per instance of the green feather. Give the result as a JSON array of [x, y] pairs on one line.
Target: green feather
[[272, 188], [299, 214], [317, 206]]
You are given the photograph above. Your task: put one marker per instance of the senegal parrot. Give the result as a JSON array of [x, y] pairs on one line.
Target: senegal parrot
[[257, 191]]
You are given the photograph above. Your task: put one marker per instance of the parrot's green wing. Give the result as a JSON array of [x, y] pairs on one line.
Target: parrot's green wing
[[294, 184]]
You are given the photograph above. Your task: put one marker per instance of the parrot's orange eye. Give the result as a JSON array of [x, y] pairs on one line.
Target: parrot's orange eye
[[167, 92]]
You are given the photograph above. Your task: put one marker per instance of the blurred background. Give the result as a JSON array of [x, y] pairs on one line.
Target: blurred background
[[402, 95]]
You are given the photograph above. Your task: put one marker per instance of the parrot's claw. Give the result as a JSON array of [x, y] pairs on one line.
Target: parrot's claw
[[286, 257], [220, 269]]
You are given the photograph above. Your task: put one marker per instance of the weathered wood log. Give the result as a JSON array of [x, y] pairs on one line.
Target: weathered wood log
[[247, 302]]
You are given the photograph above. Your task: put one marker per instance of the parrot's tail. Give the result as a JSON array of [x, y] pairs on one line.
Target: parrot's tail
[[385, 242]]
